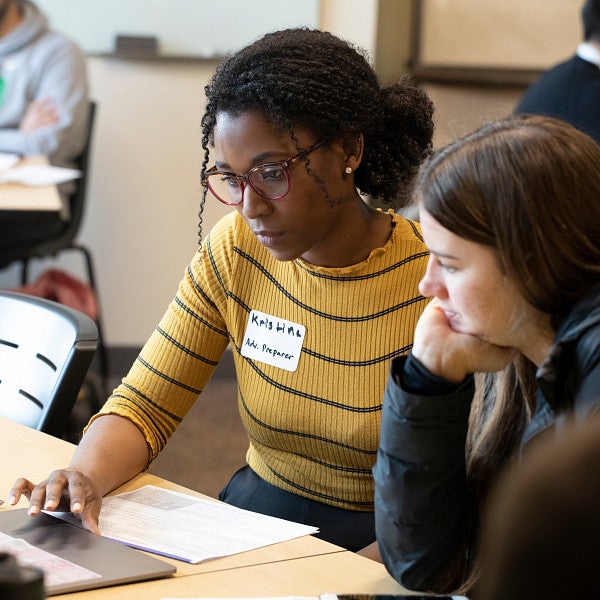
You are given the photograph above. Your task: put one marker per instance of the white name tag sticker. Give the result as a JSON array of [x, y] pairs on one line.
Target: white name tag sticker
[[273, 340]]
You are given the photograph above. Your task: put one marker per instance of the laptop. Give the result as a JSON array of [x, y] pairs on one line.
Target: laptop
[[93, 561]]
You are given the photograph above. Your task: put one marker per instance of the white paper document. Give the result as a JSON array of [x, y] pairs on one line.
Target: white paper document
[[185, 527], [8, 160], [38, 175]]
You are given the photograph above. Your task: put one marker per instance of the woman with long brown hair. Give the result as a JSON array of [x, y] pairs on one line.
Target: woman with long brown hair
[[511, 217]]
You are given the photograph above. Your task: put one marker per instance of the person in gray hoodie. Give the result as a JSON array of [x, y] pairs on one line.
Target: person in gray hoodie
[[44, 106]]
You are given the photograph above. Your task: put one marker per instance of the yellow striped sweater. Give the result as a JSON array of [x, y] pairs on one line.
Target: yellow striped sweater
[[313, 431]]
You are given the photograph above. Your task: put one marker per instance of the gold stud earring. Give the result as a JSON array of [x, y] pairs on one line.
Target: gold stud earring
[[348, 170]]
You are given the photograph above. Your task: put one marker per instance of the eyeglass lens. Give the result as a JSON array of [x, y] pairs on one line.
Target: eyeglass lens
[[270, 180]]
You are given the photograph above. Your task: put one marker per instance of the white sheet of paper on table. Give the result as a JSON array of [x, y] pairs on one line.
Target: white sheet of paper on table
[[38, 175], [186, 527], [8, 160]]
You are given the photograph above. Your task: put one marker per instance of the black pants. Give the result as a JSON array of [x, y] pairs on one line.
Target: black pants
[[350, 529], [19, 228]]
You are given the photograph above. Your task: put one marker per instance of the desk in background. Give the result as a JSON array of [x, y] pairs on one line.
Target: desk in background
[[304, 566], [15, 196]]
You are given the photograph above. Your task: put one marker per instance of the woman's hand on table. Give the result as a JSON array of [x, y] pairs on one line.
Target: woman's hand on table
[[64, 489]]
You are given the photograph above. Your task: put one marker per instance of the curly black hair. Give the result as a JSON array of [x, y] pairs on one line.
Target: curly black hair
[[311, 78]]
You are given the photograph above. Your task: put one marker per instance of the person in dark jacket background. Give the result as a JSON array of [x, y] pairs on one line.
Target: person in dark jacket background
[[570, 91], [511, 217]]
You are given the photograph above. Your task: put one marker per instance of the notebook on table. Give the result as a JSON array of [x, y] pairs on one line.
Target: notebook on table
[[72, 558]]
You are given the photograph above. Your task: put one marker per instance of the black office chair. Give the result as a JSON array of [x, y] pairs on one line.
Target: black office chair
[[65, 240], [46, 349]]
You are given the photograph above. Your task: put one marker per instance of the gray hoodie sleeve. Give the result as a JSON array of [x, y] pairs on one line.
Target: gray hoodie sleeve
[[39, 64]]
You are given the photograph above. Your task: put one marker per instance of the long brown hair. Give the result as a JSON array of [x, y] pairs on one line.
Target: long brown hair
[[528, 187]]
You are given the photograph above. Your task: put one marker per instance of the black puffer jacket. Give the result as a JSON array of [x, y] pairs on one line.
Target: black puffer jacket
[[420, 491]]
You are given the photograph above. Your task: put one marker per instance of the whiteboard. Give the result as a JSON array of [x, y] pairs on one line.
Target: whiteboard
[[509, 34], [194, 28]]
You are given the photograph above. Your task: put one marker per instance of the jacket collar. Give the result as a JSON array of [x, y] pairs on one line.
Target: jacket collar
[[583, 316]]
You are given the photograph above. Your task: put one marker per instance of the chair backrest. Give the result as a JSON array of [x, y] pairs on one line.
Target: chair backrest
[[46, 349], [76, 200]]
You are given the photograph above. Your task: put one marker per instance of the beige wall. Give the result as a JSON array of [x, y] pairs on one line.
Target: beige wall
[[142, 215], [353, 20], [459, 109]]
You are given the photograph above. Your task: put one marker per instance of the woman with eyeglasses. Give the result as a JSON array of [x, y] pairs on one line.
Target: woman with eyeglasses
[[314, 289]]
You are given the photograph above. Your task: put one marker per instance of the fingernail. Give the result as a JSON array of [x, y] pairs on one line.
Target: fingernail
[[32, 510], [76, 507], [12, 500], [48, 505]]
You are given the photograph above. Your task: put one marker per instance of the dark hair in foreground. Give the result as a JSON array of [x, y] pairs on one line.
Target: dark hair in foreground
[[529, 187], [590, 16], [312, 79], [541, 529]]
